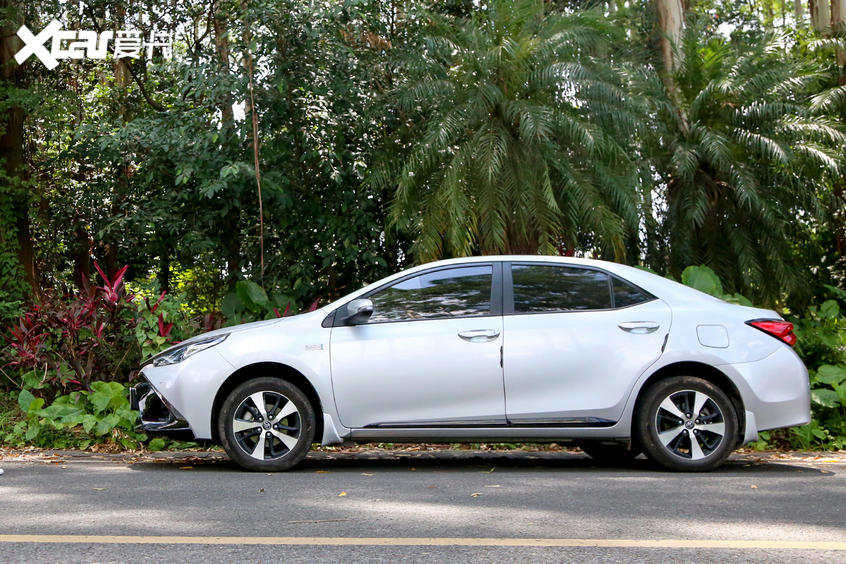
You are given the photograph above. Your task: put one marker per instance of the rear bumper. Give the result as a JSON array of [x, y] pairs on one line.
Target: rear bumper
[[157, 416], [777, 390]]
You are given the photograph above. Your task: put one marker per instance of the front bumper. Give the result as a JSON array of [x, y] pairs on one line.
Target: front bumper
[[157, 415]]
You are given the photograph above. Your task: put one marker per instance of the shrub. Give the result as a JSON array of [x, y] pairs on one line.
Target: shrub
[[78, 419]]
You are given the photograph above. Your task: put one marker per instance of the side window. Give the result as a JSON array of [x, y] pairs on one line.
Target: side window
[[627, 295], [454, 292], [559, 288]]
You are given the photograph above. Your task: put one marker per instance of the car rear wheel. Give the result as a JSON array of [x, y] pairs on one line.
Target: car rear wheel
[[266, 424], [687, 424]]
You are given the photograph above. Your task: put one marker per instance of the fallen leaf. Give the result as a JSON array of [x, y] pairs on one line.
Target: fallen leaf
[[413, 469], [261, 490], [317, 521], [342, 494], [493, 486], [475, 494], [186, 467], [754, 487], [99, 489], [321, 471], [491, 470], [367, 474]]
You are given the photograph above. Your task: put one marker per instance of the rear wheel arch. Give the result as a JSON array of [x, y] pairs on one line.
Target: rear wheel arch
[[700, 370], [265, 369]]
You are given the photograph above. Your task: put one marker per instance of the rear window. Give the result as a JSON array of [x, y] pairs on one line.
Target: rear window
[[627, 295], [541, 288]]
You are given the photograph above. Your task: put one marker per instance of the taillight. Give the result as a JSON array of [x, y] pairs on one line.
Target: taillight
[[781, 330]]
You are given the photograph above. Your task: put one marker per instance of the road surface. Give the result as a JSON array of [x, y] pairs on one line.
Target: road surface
[[420, 506]]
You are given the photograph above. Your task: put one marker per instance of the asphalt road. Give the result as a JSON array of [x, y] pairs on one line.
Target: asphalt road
[[447, 506]]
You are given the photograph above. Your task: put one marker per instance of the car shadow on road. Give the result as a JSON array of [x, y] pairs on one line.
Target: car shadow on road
[[464, 461]]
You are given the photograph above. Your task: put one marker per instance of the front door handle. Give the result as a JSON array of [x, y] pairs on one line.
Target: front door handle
[[639, 327], [479, 335]]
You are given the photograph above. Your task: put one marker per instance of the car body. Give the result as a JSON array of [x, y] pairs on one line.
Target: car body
[[495, 348]]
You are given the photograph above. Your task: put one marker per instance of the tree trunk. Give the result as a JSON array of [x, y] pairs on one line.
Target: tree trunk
[[769, 14], [81, 255], [671, 22], [838, 25], [799, 13], [820, 15], [221, 47], [12, 142], [220, 24]]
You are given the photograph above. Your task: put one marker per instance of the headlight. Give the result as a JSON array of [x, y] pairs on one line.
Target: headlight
[[182, 352]]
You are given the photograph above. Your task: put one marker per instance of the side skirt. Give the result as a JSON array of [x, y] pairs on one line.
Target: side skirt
[[475, 434]]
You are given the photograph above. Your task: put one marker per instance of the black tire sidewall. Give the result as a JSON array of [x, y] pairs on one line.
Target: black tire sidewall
[[647, 433], [266, 384]]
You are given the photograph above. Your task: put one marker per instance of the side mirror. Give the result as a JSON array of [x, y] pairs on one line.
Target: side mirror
[[358, 312]]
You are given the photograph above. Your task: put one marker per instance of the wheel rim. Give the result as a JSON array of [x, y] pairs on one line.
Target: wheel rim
[[690, 424], [266, 425]]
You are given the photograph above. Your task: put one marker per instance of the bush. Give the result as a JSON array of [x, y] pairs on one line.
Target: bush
[[78, 419], [71, 339]]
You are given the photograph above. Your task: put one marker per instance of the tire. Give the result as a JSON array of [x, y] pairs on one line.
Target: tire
[[269, 438], [609, 453], [686, 424]]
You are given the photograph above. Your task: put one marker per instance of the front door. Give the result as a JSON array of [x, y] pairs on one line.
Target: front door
[[428, 356]]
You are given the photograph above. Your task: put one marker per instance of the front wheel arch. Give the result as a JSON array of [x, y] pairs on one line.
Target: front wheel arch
[[700, 370], [263, 369]]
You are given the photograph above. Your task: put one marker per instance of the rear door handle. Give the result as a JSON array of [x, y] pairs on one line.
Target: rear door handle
[[479, 335], [639, 327]]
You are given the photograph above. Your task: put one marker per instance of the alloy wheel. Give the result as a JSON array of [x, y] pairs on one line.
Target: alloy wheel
[[690, 424], [266, 425]]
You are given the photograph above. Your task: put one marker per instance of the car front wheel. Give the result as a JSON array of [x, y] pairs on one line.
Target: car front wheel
[[266, 424], [687, 424]]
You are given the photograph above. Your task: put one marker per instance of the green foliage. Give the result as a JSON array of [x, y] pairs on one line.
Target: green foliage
[[98, 419], [78, 419], [706, 280], [515, 140], [741, 152]]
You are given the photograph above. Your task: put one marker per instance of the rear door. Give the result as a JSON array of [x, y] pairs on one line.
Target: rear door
[[576, 339]]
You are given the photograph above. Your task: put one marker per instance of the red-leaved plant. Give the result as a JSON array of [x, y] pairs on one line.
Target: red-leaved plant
[[72, 336]]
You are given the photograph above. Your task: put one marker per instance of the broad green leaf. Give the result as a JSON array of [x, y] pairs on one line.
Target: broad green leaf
[[35, 406], [828, 374], [157, 444], [100, 400], [703, 279], [88, 422], [825, 397], [830, 310], [252, 295], [25, 399], [231, 305]]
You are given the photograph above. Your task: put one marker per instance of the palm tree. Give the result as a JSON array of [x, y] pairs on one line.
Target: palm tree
[[514, 123], [738, 156]]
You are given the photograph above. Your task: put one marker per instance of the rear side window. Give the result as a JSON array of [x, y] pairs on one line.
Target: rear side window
[[453, 292], [627, 295], [540, 288]]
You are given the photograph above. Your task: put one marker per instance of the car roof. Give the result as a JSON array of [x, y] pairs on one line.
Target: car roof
[[655, 284]]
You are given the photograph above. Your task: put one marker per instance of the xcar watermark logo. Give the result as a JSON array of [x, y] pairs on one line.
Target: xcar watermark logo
[[79, 44]]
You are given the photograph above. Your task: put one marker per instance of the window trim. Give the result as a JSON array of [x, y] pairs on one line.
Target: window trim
[[508, 288], [496, 298]]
